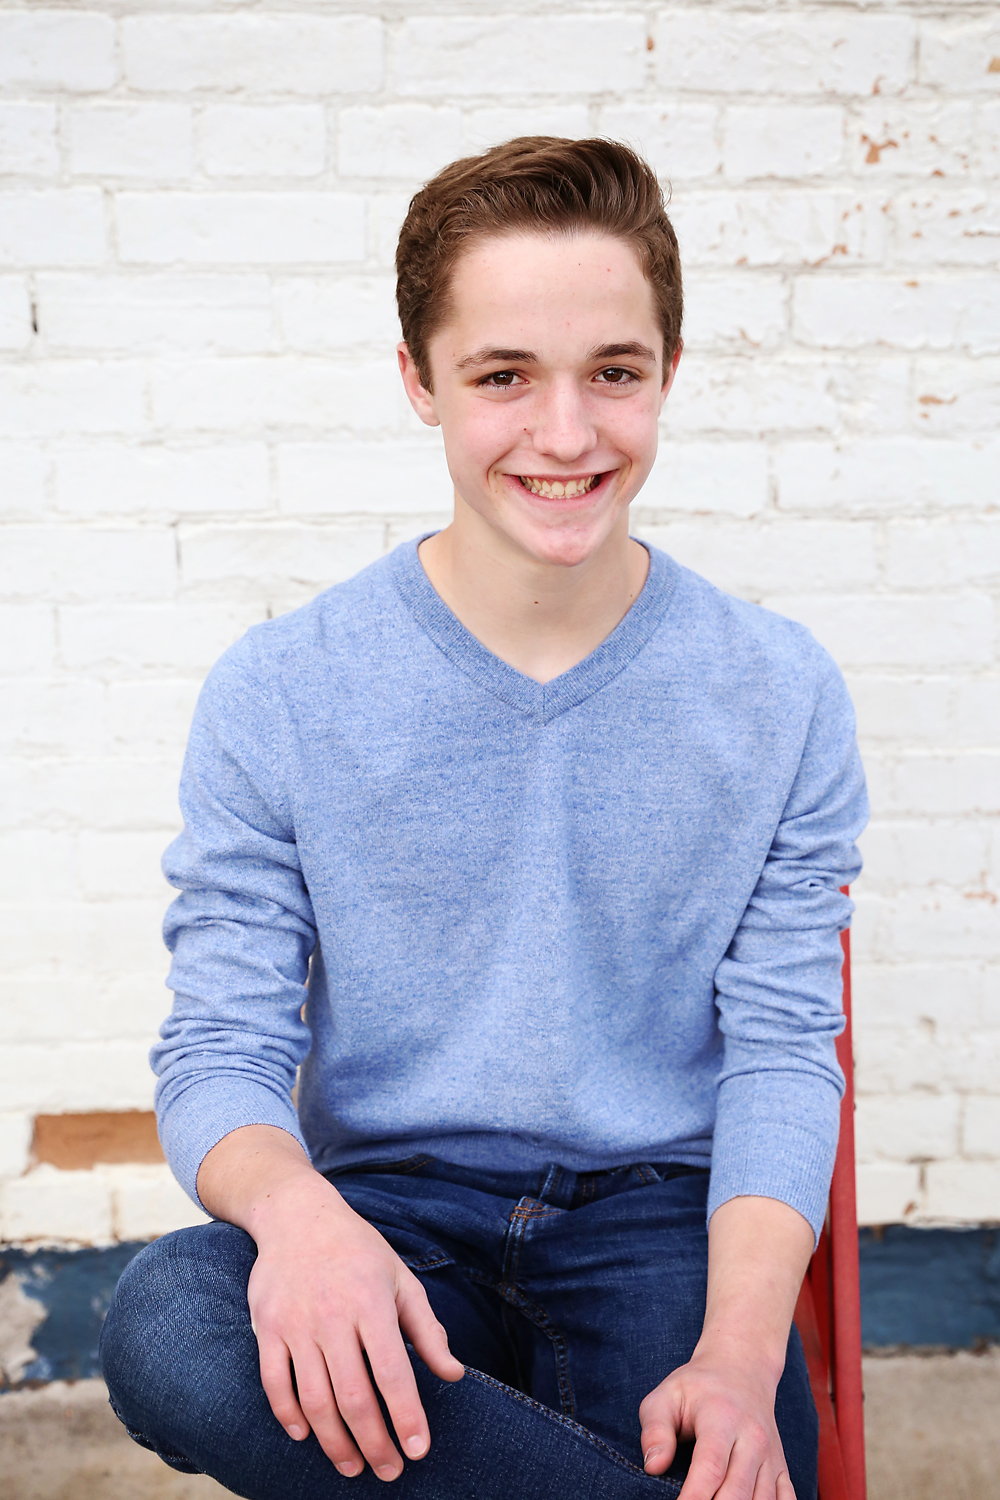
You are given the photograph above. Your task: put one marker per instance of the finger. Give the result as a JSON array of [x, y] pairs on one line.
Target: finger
[[276, 1378], [661, 1420], [751, 1472], [427, 1335], [784, 1489], [709, 1465], [359, 1408], [316, 1399], [394, 1377]]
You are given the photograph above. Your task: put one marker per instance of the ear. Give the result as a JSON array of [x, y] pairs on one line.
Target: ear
[[421, 400], [668, 382]]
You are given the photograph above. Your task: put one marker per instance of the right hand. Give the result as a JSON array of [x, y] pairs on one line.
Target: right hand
[[326, 1291]]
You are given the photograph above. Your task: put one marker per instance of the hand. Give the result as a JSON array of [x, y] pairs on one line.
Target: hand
[[325, 1291], [725, 1402]]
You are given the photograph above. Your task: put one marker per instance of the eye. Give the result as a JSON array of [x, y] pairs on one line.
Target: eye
[[615, 375], [499, 380]]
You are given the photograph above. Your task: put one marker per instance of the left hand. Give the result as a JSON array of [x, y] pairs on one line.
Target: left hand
[[723, 1400]]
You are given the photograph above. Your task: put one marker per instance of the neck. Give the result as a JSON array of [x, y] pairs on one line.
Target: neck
[[540, 618]]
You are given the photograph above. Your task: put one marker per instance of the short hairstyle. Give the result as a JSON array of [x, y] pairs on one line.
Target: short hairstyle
[[532, 183]]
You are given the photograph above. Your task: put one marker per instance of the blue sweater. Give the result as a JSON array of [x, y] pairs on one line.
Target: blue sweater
[[591, 922]]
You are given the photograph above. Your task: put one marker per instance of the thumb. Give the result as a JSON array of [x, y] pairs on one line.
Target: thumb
[[660, 1416]]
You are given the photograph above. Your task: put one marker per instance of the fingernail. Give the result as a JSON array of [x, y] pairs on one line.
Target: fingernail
[[387, 1472], [647, 1458], [298, 1433], [351, 1469], [415, 1447]]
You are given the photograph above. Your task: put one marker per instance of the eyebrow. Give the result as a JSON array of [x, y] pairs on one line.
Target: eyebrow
[[490, 356]]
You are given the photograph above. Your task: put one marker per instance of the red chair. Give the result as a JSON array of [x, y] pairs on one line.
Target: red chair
[[828, 1313]]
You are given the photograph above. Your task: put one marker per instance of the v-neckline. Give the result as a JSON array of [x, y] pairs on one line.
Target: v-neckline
[[539, 701]]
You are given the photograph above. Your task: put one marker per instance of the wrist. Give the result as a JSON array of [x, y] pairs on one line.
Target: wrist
[[761, 1359]]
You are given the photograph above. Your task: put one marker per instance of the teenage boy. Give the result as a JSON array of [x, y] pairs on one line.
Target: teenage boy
[[554, 834]]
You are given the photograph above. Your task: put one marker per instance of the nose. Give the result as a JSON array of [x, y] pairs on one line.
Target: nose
[[563, 426]]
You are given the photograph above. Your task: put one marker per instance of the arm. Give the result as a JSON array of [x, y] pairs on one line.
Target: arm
[[326, 1290], [758, 1251]]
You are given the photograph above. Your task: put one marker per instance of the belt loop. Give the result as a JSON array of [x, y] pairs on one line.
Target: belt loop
[[558, 1185]]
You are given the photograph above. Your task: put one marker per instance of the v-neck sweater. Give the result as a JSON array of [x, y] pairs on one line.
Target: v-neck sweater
[[592, 922]]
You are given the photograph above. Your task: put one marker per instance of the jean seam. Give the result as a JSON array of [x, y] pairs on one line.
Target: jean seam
[[514, 1297]]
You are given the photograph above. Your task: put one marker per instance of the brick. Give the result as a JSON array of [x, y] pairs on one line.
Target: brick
[[37, 865], [988, 139], [805, 53], [101, 792], [519, 54], [917, 1127], [904, 996], [27, 637], [155, 313], [397, 140], [278, 54], [493, 123], [52, 227], [120, 863], [887, 1194], [71, 396], [947, 785], [271, 555], [829, 312], [15, 1144], [25, 469], [934, 553], [242, 394], [49, 937], [149, 717], [148, 1201], [28, 138], [101, 1074], [248, 228], [956, 397], [749, 557], [94, 1007], [775, 395], [767, 227], [154, 479], [40, 561], [887, 474], [963, 1192], [130, 140], [901, 631], [15, 313], [924, 852], [384, 478], [52, 717], [954, 228], [678, 140], [48, 1205], [319, 315], [977, 712], [182, 636], [912, 139], [911, 709], [941, 924], [958, 54], [386, 212], [736, 313], [706, 478], [981, 1125], [54, 49], [271, 140], [782, 140]]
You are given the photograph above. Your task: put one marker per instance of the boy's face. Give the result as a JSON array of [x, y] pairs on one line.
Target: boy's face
[[548, 384]]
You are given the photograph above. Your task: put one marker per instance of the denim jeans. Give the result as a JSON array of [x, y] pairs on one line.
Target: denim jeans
[[567, 1296]]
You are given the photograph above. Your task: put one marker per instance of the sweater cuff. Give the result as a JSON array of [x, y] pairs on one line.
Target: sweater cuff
[[199, 1117]]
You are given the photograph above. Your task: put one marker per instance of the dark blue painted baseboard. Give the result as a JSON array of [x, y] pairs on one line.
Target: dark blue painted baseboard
[[919, 1287]]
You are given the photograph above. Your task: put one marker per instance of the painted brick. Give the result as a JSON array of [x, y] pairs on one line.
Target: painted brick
[[318, 315], [53, 717], [942, 924], [904, 996], [518, 54], [887, 1194], [51, 1205], [27, 637], [706, 478], [55, 1009], [782, 140], [946, 785], [241, 395], [184, 636], [220, 477], [147, 1202], [893, 474], [101, 792], [911, 709], [953, 228], [767, 227], [926, 852], [750, 557], [919, 1127], [28, 137], [272, 555], [71, 396], [37, 865], [988, 139], [273, 140], [386, 212], [397, 140], [680, 141], [956, 398], [959, 54], [15, 1144], [24, 468], [150, 717], [52, 227], [900, 631], [48, 937], [962, 1191], [805, 53], [981, 1125], [210, 229], [376, 478], [156, 312], [15, 313], [54, 49], [120, 864], [278, 54], [891, 139], [977, 712], [739, 312], [130, 140], [100, 1074], [829, 312], [493, 123], [932, 553], [761, 395], [39, 561]]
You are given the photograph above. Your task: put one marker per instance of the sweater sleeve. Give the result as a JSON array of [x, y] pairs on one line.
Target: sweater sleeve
[[241, 932], [778, 988]]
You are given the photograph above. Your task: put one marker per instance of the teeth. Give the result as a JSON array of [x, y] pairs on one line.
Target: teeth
[[557, 489]]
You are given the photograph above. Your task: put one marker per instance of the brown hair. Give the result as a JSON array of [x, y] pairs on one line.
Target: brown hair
[[535, 182]]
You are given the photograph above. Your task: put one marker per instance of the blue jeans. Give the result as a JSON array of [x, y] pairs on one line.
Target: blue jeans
[[568, 1296]]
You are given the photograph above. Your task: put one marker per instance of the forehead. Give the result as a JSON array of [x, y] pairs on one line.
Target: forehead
[[581, 287]]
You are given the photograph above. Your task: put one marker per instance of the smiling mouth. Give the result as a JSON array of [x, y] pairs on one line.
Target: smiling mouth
[[558, 489]]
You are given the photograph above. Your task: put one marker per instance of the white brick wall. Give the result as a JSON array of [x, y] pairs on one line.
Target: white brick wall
[[200, 425]]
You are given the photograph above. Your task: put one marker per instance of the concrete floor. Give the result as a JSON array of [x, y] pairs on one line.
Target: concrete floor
[[933, 1434]]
